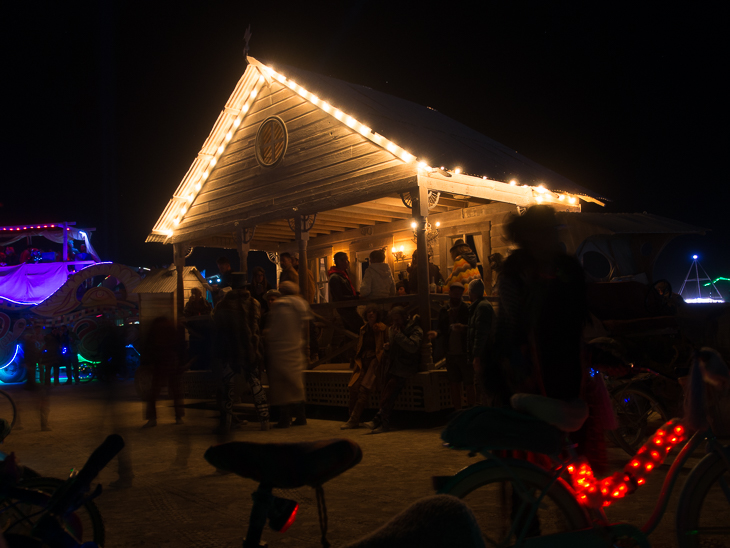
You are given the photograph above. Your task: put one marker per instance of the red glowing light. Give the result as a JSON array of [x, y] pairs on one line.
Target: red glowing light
[[649, 467], [678, 430], [673, 440], [641, 481], [290, 520], [635, 463], [661, 433], [658, 441], [571, 468]]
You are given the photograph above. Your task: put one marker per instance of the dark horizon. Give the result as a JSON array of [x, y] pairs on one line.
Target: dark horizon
[[111, 103]]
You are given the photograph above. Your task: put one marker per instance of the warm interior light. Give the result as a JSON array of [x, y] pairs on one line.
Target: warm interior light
[[571, 200], [414, 224], [253, 93], [392, 249], [402, 248], [198, 187], [229, 135], [213, 161], [244, 108], [236, 122], [438, 224], [391, 147], [221, 149], [513, 182], [422, 165]]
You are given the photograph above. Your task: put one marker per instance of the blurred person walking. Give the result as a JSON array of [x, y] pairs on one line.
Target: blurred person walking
[[452, 328], [367, 365], [284, 336], [403, 355], [239, 350], [480, 331], [162, 353]]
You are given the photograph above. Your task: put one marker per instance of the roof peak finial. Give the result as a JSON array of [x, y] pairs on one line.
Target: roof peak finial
[[246, 37]]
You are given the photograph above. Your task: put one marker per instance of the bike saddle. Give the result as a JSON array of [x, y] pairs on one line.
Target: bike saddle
[[286, 465]]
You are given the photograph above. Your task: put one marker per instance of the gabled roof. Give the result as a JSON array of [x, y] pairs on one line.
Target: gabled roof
[[425, 143], [164, 280], [432, 137]]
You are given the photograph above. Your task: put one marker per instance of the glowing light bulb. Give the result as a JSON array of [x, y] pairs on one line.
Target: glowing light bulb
[[261, 79], [183, 210], [190, 197], [350, 121], [364, 129], [391, 147], [694, 257], [402, 248], [314, 98], [561, 197], [513, 182], [326, 107], [244, 108], [392, 249], [571, 199], [176, 221], [438, 224], [254, 92], [457, 170], [221, 149], [338, 114], [198, 187], [229, 135], [422, 165], [205, 175], [169, 233], [538, 199], [407, 157], [414, 224], [237, 122]]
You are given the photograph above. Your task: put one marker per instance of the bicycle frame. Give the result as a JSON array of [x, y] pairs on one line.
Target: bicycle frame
[[673, 475]]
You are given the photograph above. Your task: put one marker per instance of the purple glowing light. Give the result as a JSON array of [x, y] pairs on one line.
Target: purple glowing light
[[17, 349]]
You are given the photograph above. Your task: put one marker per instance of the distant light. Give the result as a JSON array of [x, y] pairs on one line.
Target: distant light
[[438, 224], [457, 170], [513, 182], [694, 257]]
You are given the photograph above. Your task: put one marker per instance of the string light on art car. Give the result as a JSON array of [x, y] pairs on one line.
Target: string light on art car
[[597, 494]]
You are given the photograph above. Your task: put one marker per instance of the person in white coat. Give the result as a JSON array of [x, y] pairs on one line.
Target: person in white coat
[[286, 363], [378, 282]]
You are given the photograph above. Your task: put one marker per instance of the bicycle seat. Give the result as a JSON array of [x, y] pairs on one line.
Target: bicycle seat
[[286, 465]]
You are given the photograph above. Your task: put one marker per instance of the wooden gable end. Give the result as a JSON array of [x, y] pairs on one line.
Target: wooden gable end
[[326, 165]]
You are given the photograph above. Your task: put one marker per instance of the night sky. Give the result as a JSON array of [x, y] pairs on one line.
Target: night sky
[[109, 104]]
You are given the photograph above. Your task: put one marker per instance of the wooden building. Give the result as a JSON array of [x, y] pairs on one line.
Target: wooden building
[[158, 295], [302, 162]]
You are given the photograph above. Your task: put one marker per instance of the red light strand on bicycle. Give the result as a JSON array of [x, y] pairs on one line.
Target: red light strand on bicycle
[[595, 493]]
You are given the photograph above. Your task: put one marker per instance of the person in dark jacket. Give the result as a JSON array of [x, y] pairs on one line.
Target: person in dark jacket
[[403, 351], [452, 329], [480, 328], [341, 289], [239, 350], [161, 352], [259, 287], [434, 273]]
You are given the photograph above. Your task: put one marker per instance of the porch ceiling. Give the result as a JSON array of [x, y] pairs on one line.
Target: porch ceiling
[[382, 210]]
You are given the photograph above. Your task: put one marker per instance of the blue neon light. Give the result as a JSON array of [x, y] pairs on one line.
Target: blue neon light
[[17, 349]]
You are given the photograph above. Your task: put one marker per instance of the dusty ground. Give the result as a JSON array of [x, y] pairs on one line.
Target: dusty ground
[[179, 500]]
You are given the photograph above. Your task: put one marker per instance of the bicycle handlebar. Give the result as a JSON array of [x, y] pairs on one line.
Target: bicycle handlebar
[[48, 526]]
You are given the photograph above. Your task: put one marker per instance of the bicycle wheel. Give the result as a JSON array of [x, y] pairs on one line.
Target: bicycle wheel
[[87, 372], [639, 415], [490, 491], [85, 524], [8, 411], [703, 512]]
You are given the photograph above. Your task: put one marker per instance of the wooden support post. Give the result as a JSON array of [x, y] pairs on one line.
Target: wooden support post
[[302, 236], [243, 247], [420, 214]]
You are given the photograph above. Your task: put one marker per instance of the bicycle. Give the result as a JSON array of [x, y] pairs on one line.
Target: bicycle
[[56, 513], [638, 410], [433, 521], [8, 412], [570, 513]]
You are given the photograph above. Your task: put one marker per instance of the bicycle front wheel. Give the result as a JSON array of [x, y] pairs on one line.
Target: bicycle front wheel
[[8, 411], [703, 513], [18, 517], [639, 415], [503, 497]]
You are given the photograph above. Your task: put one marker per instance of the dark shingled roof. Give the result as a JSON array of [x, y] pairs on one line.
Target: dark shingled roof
[[431, 136]]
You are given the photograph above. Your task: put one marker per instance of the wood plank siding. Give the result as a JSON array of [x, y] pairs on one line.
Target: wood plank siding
[[326, 165]]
